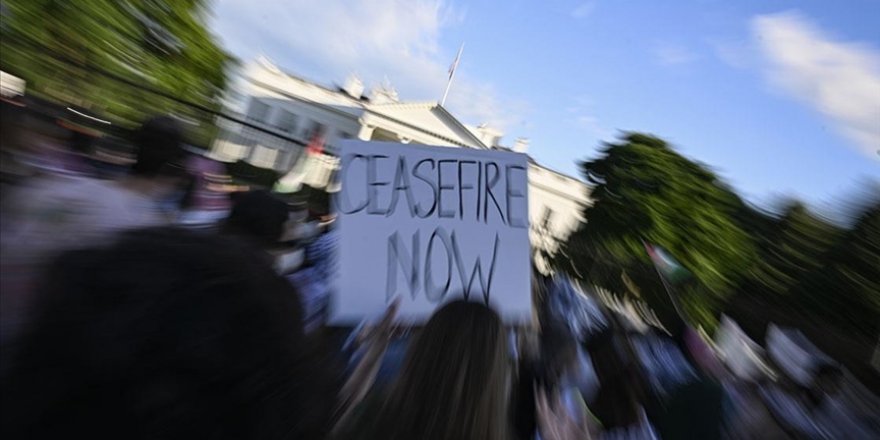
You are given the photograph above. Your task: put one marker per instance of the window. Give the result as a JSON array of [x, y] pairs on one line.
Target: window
[[258, 111], [286, 121]]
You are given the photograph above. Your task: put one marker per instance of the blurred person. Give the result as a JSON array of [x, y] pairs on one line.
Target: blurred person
[[696, 405], [556, 422], [663, 362], [834, 414], [205, 203], [321, 262], [620, 403], [34, 144], [78, 155], [61, 211], [318, 218], [375, 355], [820, 410], [559, 407], [565, 303], [372, 341], [257, 216], [453, 385], [169, 334], [322, 252], [262, 219], [748, 417]]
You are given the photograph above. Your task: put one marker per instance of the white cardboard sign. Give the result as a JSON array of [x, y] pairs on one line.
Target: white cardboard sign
[[430, 224]]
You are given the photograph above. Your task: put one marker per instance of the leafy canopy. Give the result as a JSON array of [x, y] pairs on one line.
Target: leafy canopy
[[646, 192]]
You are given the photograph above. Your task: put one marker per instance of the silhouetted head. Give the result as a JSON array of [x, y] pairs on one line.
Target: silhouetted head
[[159, 145], [259, 216], [454, 381], [165, 334]]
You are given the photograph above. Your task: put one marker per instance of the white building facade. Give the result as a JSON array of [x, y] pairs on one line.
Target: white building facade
[[295, 109]]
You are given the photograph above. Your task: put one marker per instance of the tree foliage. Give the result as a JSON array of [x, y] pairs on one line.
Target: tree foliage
[[792, 245], [646, 192], [792, 267], [844, 287], [59, 46]]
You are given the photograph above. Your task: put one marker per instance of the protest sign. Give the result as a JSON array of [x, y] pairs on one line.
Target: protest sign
[[430, 224]]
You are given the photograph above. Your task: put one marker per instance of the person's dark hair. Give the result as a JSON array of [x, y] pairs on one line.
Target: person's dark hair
[[257, 215], [159, 144], [454, 381], [166, 334], [558, 352], [620, 394]]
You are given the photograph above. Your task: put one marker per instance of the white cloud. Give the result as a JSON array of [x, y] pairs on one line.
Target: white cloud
[[584, 9], [671, 54], [839, 79], [398, 39]]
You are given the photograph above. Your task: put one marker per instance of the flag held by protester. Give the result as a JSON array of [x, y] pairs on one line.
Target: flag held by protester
[[670, 269]]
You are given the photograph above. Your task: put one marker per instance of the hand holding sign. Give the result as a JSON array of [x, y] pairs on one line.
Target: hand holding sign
[[383, 329], [374, 340]]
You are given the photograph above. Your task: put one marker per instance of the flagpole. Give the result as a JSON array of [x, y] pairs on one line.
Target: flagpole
[[665, 286], [452, 75], [668, 292]]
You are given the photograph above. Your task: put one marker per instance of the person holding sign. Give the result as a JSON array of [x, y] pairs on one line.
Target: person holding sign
[[453, 385]]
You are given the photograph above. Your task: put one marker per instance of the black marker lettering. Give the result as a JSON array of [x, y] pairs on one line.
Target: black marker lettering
[[462, 187], [408, 262], [440, 212], [479, 193], [467, 282], [401, 183], [434, 189], [343, 194], [511, 194], [373, 184], [491, 182], [434, 293]]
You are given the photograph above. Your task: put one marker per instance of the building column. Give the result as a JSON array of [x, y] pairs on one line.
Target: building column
[[366, 132]]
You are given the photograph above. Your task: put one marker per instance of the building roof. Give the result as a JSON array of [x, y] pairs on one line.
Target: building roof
[[428, 117]]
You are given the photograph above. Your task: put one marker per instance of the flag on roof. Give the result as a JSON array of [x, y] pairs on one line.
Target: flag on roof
[[454, 64]]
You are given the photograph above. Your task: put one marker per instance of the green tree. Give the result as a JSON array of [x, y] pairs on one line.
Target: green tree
[[59, 46], [794, 247], [818, 277], [645, 191], [844, 288]]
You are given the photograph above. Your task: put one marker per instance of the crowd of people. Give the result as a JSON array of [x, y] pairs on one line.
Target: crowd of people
[[120, 319]]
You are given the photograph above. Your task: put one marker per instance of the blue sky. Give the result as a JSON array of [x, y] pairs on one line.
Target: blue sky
[[780, 98]]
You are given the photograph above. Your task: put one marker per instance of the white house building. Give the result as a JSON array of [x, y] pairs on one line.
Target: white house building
[[295, 108]]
